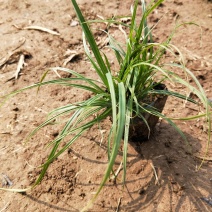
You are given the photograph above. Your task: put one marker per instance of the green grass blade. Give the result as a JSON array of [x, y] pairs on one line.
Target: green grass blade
[[96, 67], [154, 112], [126, 136], [117, 139], [92, 82], [114, 110], [174, 94], [79, 130], [91, 41]]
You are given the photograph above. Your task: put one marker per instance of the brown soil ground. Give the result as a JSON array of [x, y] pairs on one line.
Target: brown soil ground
[[74, 177]]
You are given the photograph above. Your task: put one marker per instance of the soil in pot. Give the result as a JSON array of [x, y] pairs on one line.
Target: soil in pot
[[138, 130]]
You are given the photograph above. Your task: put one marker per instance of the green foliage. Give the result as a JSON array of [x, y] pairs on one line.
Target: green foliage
[[122, 95]]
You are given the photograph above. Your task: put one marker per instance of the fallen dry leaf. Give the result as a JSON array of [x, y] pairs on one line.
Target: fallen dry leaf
[[20, 66], [14, 57], [70, 54], [103, 42], [43, 29], [11, 54]]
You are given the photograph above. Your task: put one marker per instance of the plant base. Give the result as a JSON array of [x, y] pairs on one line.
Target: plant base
[[138, 130]]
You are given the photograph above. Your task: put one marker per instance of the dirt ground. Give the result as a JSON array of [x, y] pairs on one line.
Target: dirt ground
[[74, 177]]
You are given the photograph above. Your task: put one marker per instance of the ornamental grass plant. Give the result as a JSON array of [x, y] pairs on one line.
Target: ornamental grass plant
[[123, 95]]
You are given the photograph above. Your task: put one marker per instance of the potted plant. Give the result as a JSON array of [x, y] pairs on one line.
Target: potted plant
[[130, 96]]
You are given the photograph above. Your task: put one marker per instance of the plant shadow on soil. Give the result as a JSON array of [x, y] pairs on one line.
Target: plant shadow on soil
[[179, 182], [52, 206], [176, 168]]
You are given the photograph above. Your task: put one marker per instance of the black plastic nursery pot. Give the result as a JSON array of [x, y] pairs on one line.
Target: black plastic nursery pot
[[138, 130]]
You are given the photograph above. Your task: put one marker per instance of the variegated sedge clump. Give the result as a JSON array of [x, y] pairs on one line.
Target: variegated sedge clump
[[122, 96]]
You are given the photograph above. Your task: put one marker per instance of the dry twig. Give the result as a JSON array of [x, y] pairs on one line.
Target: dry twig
[[118, 206], [155, 173], [43, 29], [20, 66]]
